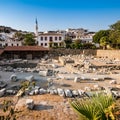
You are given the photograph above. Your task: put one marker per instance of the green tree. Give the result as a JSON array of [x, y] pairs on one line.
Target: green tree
[[115, 35], [115, 38], [99, 35], [78, 44], [68, 41], [115, 26], [78, 41], [29, 40], [72, 46], [104, 41], [88, 46]]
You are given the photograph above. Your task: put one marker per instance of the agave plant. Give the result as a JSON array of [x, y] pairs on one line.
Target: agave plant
[[96, 108]]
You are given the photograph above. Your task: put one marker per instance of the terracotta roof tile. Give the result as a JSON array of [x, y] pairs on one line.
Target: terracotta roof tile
[[1, 51], [25, 48]]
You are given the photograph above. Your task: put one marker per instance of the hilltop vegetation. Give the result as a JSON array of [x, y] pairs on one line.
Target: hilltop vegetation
[[7, 29], [109, 38]]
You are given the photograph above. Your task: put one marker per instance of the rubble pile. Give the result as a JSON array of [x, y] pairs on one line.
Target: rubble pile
[[90, 64], [36, 90], [77, 68]]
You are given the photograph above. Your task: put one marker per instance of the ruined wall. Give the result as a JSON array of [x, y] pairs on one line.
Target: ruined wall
[[63, 51], [109, 53], [98, 53]]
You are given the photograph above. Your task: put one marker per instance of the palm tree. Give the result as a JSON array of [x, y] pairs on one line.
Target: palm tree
[[96, 108]]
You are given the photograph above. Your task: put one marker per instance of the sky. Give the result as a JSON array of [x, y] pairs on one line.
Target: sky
[[93, 15]]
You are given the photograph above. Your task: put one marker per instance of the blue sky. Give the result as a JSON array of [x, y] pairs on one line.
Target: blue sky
[[93, 15]]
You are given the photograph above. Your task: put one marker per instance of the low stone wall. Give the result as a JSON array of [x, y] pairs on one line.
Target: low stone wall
[[20, 65], [112, 54], [55, 53], [63, 51]]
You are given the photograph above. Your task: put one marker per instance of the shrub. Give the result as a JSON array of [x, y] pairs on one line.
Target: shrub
[[96, 108]]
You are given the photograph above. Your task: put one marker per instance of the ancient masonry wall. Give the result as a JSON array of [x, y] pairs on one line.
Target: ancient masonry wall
[[63, 51], [112, 54]]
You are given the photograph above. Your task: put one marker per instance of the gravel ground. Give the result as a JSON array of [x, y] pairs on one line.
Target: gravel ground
[[53, 107], [47, 107]]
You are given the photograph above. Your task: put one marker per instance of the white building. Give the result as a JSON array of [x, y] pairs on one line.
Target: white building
[[82, 34], [85, 38], [10, 43], [78, 30], [51, 40], [7, 40]]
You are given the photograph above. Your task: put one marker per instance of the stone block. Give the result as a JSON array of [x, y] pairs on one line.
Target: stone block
[[61, 92], [113, 82], [68, 93], [13, 78], [43, 73], [75, 93], [2, 92], [42, 91], [29, 104], [81, 92], [77, 79]]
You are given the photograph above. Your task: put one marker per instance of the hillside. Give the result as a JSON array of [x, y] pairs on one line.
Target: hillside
[[7, 29]]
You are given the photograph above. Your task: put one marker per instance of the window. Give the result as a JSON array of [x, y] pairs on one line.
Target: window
[[60, 38], [17, 44], [50, 45], [45, 38], [41, 38], [41, 44], [12, 44], [6, 44], [55, 38], [45, 44], [55, 44], [50, 39]]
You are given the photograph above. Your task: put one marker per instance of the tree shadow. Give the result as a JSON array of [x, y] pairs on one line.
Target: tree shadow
[[1, 106], [84, 81], [42, 107], [65, 85], [108, 78]]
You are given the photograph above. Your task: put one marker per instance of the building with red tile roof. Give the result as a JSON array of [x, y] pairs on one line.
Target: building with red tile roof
[[25, 48], [23, 52], [1, 51]]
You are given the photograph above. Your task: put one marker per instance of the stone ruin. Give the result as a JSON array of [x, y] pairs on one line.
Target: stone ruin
[[76, 64]]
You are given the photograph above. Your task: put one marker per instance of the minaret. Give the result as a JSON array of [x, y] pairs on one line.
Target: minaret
[[36, 27]]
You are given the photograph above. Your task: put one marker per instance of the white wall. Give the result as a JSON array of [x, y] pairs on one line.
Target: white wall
[[48, 39], [10, 43]]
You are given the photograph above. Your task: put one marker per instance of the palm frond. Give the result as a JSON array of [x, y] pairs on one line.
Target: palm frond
[[94, 108]]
